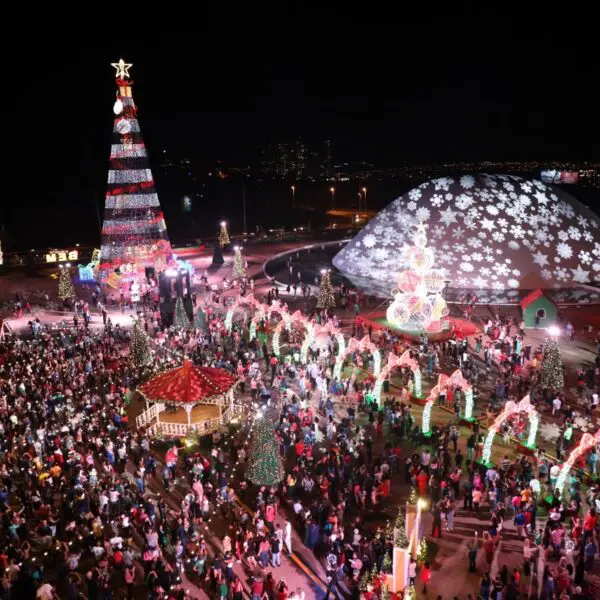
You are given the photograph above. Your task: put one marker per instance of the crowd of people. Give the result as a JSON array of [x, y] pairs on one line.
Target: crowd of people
[[93, 508]]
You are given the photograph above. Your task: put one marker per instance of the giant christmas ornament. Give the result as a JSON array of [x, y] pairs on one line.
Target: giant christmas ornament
[[418, 304]]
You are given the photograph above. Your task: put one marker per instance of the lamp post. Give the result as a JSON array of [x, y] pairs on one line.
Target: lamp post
[[332, 190], [364, 191], [293, 188]]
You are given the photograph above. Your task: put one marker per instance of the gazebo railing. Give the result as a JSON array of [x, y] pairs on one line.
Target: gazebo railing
[[149, 414], [183, 429]]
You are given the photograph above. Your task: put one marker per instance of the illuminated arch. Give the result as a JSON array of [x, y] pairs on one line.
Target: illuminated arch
[[512, 408], [287, 321], [586, 443], [276, 307], [393, 361], [258, 316], [455, 380], [330, 329], [248, 300], [354, 345]]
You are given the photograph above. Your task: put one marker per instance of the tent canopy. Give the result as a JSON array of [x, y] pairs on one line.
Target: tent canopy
[[188, 384]]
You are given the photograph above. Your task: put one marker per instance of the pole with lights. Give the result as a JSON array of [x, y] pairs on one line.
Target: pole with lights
[[293, 188], [332, 190]]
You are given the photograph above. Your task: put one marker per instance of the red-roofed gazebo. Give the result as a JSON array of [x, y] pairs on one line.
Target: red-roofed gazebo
[[201, 392]]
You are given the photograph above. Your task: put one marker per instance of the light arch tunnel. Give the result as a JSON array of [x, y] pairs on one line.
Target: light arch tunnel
[[444, 381], [586, 444]]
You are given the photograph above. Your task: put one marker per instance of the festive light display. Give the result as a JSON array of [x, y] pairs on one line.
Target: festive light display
[[551, 375], [354, 345], [418, 304], [224, 235], [488, 232], [511, 408], [586, 444], [412, 496], [287, 322], [88, 272], [400, 538], [308, 340], [61, 256], [411, 593], [326, 298], [180, 318], [65, 284], [248, 300], [394, 362], [455, 380], [134, 234], [239, 268], [265, 466], [140, 346]]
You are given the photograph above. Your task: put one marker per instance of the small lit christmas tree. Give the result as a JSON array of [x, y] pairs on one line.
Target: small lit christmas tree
[[265, 466], [180, 318], [422, 551], [412, 496], [217, 255], [326, 299], [400, 539], [239, 269], [65, 284], [551, 375], [385, 592], [140, 346], [224, 235], [386, 564], [411, 593]]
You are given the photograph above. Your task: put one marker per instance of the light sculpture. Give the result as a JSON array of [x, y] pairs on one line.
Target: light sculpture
[[587, 443], [511, 408], [418, 304], [455, 380], [393, 361]]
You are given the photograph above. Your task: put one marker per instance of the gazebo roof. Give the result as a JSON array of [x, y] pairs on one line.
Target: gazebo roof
[[188, 384]]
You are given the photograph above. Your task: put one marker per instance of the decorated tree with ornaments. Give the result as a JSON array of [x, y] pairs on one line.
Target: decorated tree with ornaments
[[418, 304], [66, 289], [422, 551], [411, 593], [134, 233], [239, 268], [552, 374], [326, 298], [265, 466], [140, 346], [224, 235], [180, 318]]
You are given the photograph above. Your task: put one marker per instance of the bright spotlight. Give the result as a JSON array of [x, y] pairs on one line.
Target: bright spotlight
[[171, 272], [554, 331]]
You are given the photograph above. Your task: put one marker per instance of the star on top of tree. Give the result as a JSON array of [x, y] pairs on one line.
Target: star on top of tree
[[122, 69]]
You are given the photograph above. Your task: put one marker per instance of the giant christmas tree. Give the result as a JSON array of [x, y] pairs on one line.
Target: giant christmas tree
[[325, 299], [134, 234]]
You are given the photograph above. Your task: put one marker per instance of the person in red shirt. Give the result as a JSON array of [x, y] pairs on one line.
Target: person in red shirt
[[257, 588]]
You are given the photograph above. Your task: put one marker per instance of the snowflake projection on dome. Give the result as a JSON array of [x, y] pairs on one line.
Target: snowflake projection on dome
[[418, 304], [516, 234]]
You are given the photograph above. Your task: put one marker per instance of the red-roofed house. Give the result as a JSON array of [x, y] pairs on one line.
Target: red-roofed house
[[538, 309]]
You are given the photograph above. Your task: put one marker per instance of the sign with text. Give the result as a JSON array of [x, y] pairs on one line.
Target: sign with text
[[58, 256]]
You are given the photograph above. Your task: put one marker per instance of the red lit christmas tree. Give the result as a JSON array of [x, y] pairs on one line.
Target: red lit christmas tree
[[134, 233]]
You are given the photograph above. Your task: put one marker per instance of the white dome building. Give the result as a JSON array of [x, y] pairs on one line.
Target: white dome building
[[492, 234]]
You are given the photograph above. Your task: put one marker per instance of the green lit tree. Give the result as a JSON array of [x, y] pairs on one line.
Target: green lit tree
[[422, 551], [239, 269], [551, 375], [412, 496], [411, 593], [140, 346], [180, 318], [326, 299], [400, 538], [66, 289], [265, 466], [224, 235]]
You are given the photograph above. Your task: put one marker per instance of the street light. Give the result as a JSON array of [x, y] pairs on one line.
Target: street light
[[553, 331], [332, 190], [293, 188], [364, 191]]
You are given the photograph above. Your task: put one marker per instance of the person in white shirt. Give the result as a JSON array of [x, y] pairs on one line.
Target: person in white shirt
[[556, 404]]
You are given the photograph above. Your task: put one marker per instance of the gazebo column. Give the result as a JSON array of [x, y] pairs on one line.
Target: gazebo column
[[230, 394], [188, 410], [157, 415]]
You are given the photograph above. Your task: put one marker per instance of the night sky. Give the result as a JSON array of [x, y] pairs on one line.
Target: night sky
[[417, 92]]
